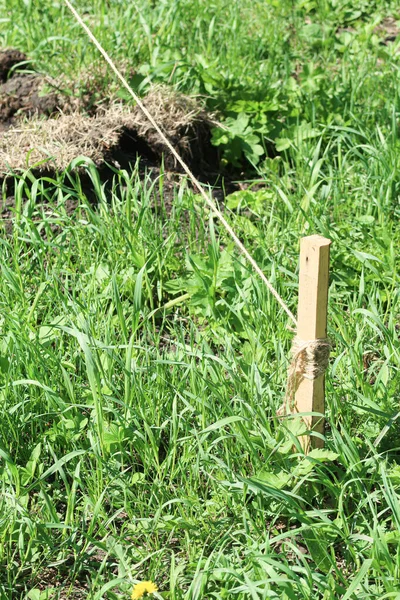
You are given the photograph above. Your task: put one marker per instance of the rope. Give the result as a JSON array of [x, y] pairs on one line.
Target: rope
[[310, 359], [184, 166]]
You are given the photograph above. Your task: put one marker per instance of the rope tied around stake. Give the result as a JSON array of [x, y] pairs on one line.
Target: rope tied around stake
[[310, 359]]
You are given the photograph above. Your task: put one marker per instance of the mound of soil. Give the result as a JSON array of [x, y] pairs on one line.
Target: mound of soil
[[43, 129], [41, 123]]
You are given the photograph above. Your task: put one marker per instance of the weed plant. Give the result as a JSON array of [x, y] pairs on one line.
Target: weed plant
[[142, 363]]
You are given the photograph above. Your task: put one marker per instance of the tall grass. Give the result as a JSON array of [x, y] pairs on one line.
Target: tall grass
[[139, 436]]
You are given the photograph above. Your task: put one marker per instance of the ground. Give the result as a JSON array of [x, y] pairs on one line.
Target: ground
[[142, 363]]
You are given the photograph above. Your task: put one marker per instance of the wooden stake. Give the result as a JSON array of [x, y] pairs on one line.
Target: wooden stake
[[311, 325]]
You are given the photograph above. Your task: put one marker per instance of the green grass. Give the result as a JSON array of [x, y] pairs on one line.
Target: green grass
[[142, 363]]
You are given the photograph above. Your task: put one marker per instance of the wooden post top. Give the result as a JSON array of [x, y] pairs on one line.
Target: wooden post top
[[313, 287], [316, 240]]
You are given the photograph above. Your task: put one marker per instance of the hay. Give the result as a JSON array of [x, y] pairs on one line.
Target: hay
[[55, 142], [182, 119]]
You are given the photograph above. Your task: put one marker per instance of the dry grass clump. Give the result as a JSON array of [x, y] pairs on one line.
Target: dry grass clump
[[183, 120], [55, 142]]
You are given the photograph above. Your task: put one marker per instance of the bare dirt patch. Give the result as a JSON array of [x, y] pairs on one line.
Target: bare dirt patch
[[388, 29], [9, 59], [23, 94]]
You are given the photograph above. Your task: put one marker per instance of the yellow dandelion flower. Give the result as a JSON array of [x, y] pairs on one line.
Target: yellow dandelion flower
[[142, 589]]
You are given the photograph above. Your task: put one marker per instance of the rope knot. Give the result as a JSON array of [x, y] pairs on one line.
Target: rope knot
[[310, 359]]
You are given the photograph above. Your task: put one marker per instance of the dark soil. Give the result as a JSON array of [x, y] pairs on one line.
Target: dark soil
[[8, 60], [7, 207], [388, 29], [22, 94]]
